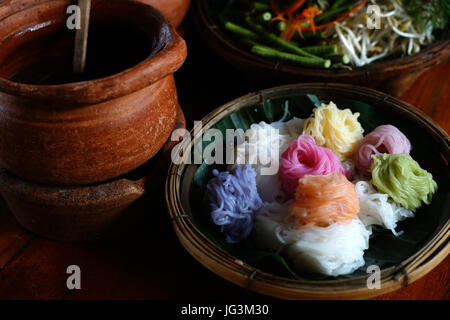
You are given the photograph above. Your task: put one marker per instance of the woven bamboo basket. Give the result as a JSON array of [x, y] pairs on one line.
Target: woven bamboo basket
[[393, 76], [178, 184]]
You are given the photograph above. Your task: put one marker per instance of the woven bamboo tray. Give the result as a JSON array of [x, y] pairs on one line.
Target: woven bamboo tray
[[430, 254]]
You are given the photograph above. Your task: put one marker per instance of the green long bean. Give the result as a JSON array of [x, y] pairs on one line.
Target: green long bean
[[339, 58], [249, 42], [337, 3], [281, 26], [241, 31], [276, 40], [326, 16], [321, 50], [266, 17], [260, 6], [267, 52]]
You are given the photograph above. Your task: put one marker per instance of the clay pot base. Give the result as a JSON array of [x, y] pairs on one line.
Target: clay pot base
[[78, 214]]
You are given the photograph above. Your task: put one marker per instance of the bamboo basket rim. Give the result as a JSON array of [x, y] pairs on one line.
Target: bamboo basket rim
[[207, 253], [426, 58]]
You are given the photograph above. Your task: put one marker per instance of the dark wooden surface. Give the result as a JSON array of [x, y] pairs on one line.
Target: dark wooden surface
[[147, 261]]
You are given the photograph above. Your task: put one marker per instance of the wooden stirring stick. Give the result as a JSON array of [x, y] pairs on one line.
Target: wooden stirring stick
[[81, 37]]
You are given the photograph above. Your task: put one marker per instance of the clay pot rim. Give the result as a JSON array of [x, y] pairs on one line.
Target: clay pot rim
[[152, 69]]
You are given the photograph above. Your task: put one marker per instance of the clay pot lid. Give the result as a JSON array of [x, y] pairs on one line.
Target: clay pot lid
[[171, 56]]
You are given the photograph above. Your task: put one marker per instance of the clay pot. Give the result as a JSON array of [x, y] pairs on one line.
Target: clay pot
[[77, 214], [173, 10], [84, 132]]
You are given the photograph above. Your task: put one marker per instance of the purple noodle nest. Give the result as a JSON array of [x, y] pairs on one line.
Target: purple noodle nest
[[232, 199]]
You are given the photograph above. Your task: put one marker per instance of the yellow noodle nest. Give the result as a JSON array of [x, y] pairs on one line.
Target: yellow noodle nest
[[338, 130]]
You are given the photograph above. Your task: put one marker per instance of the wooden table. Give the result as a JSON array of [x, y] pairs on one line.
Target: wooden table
[[147, 261]]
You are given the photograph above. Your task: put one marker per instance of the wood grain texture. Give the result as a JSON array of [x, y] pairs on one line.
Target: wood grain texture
[[431, 94], [13, 238], [148, 262]]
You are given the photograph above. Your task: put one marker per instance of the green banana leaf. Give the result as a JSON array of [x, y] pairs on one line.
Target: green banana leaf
[[385, 249]]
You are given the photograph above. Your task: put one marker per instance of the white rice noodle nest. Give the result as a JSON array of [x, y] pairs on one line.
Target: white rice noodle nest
[[378, 208], [267, 142], [334, 250]]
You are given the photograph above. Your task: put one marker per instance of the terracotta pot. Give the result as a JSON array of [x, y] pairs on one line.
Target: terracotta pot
[[173, 10], [85, 132], [78, 214]]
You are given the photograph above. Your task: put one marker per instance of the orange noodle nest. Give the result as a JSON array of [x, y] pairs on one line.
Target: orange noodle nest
[[322, 200]]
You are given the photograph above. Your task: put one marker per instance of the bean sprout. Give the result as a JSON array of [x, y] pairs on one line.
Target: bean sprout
[[397, 34]]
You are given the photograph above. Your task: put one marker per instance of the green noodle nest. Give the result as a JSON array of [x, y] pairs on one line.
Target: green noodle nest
[[403, 179]]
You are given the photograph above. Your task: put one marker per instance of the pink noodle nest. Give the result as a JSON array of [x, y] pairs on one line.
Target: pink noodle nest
[[384, 139], [304, 157]]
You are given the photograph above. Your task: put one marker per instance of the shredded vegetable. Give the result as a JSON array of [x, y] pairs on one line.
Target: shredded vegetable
[[396, 35]]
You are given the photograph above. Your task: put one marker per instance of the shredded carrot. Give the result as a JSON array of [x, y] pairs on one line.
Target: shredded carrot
[[341, 18], [276, 9], [295, 6], [308, 14], [280, 14]]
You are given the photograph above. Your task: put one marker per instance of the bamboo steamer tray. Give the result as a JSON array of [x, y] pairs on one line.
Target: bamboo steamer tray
[[393, 76], [178, 182]]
